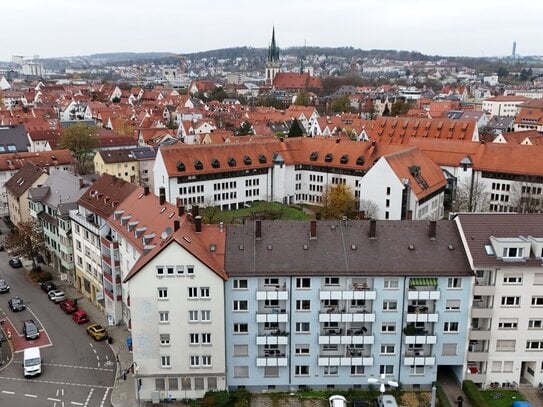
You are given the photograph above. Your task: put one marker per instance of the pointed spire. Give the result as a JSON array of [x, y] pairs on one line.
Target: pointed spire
[[273, 51]]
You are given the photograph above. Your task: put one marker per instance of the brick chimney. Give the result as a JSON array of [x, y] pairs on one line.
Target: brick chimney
[[432, 231], [162, 195], [258, 229], [373, 229], [313, 230], [198, 224]]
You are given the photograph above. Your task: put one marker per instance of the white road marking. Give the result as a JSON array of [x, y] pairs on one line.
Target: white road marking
[[8, 392], [52, 399], [75, 403], [31, 396], [77, 367], [53, 382], [104, 398], [89, 397]]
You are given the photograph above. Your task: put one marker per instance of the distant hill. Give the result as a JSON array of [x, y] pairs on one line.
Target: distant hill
[[130, 56]]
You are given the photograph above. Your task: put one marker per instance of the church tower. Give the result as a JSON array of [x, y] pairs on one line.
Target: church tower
[[273, 65]]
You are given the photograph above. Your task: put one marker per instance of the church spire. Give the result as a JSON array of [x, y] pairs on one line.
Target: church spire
[[273, 51]]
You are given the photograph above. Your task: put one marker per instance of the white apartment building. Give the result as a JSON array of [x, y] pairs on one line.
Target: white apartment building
[[503, 105]]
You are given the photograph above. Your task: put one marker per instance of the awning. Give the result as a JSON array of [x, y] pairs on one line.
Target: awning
[[423, 281]]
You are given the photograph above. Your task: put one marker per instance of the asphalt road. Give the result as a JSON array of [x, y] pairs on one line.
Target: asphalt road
[[76, 370]]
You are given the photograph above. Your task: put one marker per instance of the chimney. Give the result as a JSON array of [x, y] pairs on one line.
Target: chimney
[[198, 224], [432, 232], [175, 225], [180, 210], [221, 227], [318, 216], [195, 210], [313, 230], [178, 202], [162, 195], [81, 183], [258, 229], [373, 229], [146, 191], [373, 143]]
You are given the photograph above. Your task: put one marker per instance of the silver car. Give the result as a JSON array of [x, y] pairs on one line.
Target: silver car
[[4, 287], [57, 296]]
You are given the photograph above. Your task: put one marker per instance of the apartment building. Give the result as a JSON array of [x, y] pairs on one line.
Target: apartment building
[[505, 252], [329, 304]]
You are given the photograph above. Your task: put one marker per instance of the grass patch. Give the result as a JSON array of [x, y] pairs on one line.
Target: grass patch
[[501, 398], [258, 210]]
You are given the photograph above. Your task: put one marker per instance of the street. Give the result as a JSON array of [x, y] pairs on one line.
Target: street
[[76, 370]]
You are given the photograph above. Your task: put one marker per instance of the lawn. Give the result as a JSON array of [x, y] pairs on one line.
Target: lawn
[[258, 210], [501, 398]]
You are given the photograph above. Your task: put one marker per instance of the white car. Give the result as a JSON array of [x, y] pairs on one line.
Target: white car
[[57, 295], [337, 401]]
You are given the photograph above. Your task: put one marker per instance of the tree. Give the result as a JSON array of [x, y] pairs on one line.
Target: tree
[[341, 105], [471, 196], [527, 198], [301, 99], [81, 140], [338, 201], [295, 129], [124, 127], [27, 240], [386, 110], [370, 209], [217, 93], [399, 108], [502, 71], [245, 129]]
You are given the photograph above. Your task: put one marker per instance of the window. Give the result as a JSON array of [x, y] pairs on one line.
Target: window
[[303, 282], [508, 323], [180, 270], [505, 345], [271, 303], [537, 301], [193, 292], [390, 305], [388, 327], [193, 316], [241, 350], [204, 292], [271, 371], [452, 305], [510, 301], [194, 339], [387, 349], [206, 315], [331, 370], [454, 282], [386, 369], [194, 361], [391, 283], [160, 384], [496, 366], [450, 327], [190, 270], [206, 338], [271, 282], [535, 324], [512, 252], [508, 366], [357, 370], [301, 370], [302, 327], [449, 349], [240, 305], [303, 305], [417, 371], [165, 361], [534, 345], [206, 360], [170, 270], [509, 279], [331, 281], [301, 349], [164, 339], [238, 284], [163, 317], [162, 293], [241, 328]]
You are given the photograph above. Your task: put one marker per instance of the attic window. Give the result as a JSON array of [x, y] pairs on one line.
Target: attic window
[[360, 160], [232, 162], [329, 157], [180, 166], [344, 159], [262, 159], [215, 163], [247, 160], [314, 155], [198, 165]]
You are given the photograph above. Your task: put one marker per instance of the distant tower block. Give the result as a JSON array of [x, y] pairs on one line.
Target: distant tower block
[[273, 66], [514, 49]]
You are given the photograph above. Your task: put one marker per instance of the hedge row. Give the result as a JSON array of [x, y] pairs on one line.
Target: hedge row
[[473, 394]]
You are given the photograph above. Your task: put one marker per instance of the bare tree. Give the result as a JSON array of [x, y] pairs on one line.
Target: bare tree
[[27, 240], [471, 196], [527, 198], [370, 209]]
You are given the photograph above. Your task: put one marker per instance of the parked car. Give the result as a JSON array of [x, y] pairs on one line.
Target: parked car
[[80, 317], [15, 262], [97, 332], [16, 304], [30, 329], [337, 401], [56, 296], [68, 306], [4, 287], [47, 286], [361, 403]]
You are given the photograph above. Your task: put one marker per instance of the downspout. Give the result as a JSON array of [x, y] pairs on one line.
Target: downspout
[[402, 332]]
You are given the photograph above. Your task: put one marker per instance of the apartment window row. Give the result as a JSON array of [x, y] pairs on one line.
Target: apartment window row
[[225, 195], [200, 361], [199, 316], [316, 178], [193, 189], [315, 188], [497, 186], [177, 270], [200, 338], [252, 192], [252, 182], [226, 185]]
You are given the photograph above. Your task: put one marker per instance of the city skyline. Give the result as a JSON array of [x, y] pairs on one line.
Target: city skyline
[[61, 28]]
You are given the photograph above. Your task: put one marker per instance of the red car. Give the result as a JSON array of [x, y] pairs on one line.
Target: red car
[[68, 306], [80, 317]]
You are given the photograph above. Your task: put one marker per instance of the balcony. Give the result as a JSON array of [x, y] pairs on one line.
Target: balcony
[[346, 317], [109, 278], [272, 317], [272, 295], [475, 372], [110, 295], [108, 242], [419, 361], [271, 361], [111, 263], [345, 361], [362, 294], [420, 339], [478, 356], [423, 293], [273, 339], [340, 339], [479, 334], [277, 286]]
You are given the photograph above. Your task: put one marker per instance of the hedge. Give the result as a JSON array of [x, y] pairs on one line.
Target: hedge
[[473, 394], [441, 396]]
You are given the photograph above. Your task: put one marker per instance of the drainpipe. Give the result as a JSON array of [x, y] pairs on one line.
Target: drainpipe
[[402, 333]]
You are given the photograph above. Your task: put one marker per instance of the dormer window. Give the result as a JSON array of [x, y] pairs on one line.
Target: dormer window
[[247, 160], [215, 163], [513, 252], [360, 160], [232, 162], [198, 165], [328, 158], [344, 159], [262, 159], [314, 155], [180, 166]]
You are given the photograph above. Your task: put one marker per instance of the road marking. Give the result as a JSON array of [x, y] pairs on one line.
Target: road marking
[[52, 399], [31, 395], [75, 403], [89, 397], [53, 382], [104, 398], [8, 392], [78, 367]]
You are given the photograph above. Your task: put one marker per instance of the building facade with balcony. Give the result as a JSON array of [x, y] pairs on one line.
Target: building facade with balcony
[[326, 304], [505, 252], [97, 273]]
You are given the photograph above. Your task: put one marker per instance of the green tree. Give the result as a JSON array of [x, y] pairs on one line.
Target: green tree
[[301, 99], [399, 107], [295, 129], [341, 105], [245, 129], [338, 201], [27, 240], [218, 93], [502, 71], [81, 140], [386, 110]]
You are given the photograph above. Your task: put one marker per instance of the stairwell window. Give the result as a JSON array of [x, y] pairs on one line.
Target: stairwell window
[[390, 305], [165, 361], [303, 283], [164, 317]]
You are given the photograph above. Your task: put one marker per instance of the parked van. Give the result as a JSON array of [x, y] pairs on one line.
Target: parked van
[[32, 362], [386, 400]]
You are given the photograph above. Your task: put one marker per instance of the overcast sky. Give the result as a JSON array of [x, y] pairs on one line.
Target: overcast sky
[[53, 28]]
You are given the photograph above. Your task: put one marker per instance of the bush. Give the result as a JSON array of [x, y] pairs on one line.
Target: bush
[[216, 398], [43, 275], [472, 393], [441, 396]]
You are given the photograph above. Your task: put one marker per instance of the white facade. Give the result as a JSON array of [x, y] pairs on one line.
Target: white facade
[[178, 326], [502, 108]]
